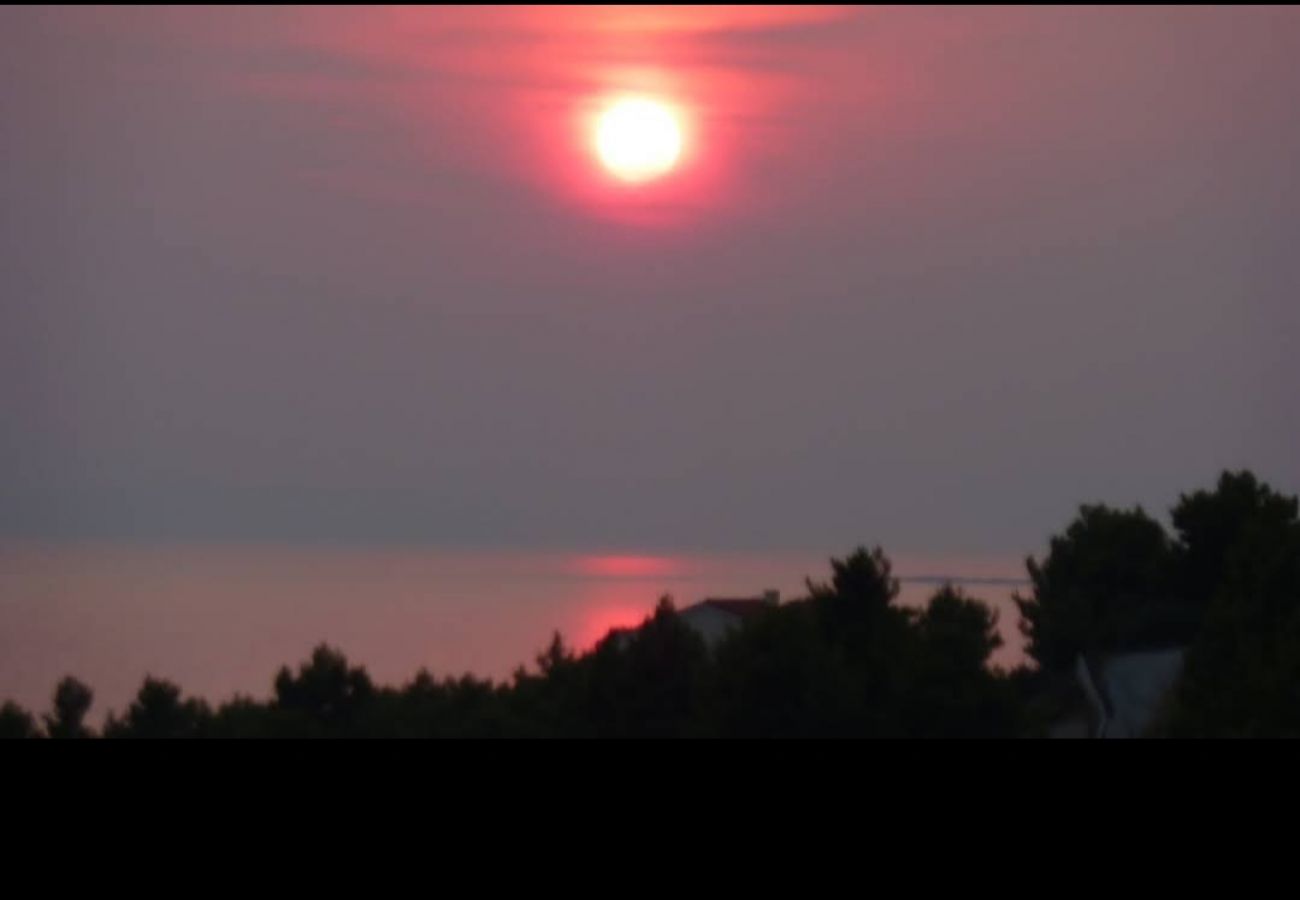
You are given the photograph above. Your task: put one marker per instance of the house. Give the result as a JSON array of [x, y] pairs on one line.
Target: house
[[1126, 692], [715, 617]]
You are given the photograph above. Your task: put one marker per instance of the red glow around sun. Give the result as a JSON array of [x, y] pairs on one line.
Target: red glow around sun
[[514, 96]]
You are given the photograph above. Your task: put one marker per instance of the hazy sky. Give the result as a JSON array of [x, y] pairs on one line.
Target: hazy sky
[[929, 277]]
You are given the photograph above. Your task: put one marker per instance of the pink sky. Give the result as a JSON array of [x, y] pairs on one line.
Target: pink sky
[[929, 276]]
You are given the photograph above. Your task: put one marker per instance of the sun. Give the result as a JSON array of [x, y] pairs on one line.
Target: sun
[[638, 139]]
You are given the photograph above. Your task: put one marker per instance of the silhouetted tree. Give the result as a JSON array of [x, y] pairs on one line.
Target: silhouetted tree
[[159, 712], [16, 722], [1212, 525], [244, 717], [779, 676], [72, 701], [849, 662], [326, 696], [869, 639], [464, 707], [646, 683], [1105, 585], [961, 629], [861, 592], [553, 701], [951, 689], [1240, 557]]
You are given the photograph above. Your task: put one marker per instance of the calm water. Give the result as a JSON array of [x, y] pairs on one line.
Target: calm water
[[221, 619]]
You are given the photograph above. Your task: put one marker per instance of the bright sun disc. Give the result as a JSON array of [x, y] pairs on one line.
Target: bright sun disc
[[638, 139]]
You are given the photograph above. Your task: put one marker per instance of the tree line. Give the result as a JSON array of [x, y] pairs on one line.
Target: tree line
[[847, 659]]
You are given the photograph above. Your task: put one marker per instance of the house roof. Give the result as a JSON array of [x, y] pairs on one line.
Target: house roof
[[737, 606]]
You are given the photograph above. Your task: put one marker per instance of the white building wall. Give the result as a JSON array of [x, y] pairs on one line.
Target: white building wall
[[1137, 683], [709, 622]]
